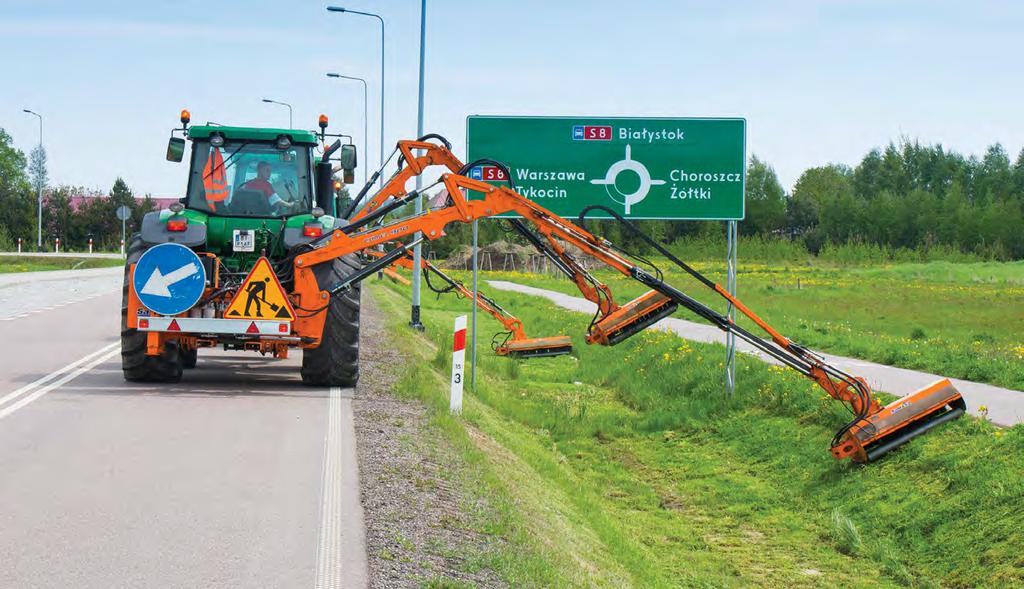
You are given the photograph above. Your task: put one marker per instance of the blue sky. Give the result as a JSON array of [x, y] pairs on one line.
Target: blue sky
[[818, 82]]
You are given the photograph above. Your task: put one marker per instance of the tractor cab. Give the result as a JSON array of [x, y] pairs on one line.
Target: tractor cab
[[252, 191]]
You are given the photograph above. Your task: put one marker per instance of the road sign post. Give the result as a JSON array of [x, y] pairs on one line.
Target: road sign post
[[123, 212], [458, 365], [641, 168]]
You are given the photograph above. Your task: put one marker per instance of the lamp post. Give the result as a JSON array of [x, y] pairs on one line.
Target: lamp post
[[290, 126], [39, 195], [365, 116], [380, 182], [417, 253]]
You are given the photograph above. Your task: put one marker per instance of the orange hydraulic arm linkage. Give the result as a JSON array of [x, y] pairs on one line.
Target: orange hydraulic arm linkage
[[872, 432], [410, 165], [516, 344]]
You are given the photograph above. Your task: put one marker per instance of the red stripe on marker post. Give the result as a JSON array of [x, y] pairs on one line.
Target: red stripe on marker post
[[458, 364]]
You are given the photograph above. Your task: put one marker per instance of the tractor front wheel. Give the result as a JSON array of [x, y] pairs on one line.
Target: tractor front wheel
[[335, 362]]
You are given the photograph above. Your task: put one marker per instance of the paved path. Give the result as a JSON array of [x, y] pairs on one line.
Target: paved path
[[1005, 406], [238, 476]]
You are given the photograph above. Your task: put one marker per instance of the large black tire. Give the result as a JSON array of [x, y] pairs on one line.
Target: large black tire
[[136, 365], [335, 362], [189, 359]]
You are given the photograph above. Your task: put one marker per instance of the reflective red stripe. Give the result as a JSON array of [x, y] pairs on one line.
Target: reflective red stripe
[[460, 340]]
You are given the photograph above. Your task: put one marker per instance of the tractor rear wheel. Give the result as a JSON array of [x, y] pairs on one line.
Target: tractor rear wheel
[[335, 362], [136, 365]]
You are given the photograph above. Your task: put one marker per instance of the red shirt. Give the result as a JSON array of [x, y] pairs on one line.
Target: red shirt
[[261, 185]]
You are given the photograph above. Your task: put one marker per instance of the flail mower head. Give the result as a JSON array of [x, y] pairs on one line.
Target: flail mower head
[[631, 318], [536, 347], [889, 427]]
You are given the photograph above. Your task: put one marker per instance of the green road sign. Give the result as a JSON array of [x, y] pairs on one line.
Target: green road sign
[[641, 168]]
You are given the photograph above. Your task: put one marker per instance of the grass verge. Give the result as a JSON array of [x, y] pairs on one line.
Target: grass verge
[[628, 466]]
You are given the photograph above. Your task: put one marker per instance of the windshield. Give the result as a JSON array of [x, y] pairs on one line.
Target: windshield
[[243, 179]]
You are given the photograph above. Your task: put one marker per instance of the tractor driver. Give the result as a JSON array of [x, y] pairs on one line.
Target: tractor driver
[[261, 183]]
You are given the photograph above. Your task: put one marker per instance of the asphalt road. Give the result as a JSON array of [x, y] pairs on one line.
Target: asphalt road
[[1005, 406], [238, 476]]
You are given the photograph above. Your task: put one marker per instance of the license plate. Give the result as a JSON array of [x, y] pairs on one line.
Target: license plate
[[243, 240]]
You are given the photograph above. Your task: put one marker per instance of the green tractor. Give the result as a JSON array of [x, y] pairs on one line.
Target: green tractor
[[256, 197]]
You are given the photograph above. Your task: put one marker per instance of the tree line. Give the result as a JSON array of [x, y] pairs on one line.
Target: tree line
[[905, 196], [20, 181]]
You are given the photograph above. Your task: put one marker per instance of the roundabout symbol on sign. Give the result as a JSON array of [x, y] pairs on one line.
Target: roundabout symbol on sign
[[634, 166]]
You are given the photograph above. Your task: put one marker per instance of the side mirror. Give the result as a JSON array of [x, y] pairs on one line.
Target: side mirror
[[347, 159], [175, 149]]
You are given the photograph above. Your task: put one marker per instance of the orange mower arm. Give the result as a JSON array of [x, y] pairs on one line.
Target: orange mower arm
[[872, 432]]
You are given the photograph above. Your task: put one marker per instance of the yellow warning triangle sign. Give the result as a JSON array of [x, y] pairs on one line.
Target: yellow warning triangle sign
[[260, 296]]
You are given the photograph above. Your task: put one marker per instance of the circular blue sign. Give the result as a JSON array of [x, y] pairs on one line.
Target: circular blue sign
[[169, 279]]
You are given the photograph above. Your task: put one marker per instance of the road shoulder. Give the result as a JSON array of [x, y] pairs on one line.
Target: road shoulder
[[424, 522]]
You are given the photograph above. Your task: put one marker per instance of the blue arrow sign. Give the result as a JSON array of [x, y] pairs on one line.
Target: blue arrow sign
[[169, 279]]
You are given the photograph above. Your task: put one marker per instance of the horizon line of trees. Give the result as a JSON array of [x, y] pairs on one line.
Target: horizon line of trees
[[22, 178], [906, 196]]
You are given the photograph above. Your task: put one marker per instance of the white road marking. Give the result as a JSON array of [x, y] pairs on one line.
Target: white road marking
[[30, 392], [55, 374], [341, 551]]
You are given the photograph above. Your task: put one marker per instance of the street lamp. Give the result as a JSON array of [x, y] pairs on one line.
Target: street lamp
[[39, 196], [365, 117], [417, 253], [290, 126], [380, 182]]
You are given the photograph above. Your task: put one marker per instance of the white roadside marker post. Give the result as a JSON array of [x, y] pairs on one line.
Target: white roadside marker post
[[90, 245], [458, 364], [19, 245], [56, 248], [122, 247]]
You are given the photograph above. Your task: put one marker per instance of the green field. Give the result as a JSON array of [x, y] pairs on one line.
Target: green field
[[42, 263], [962, 320], [628, 466]]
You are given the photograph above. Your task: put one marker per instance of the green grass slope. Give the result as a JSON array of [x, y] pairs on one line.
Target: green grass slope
[[631, 466]]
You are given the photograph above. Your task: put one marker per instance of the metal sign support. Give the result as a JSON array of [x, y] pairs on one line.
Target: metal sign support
[[730, 339], [472, 352]]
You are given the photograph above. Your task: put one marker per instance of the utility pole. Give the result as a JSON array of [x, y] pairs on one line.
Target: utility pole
[[269, 101], [380, 182], [366, 117], [417, 253], [39, 188]]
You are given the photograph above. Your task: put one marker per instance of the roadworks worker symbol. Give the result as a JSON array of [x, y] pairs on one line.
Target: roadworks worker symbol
[[623, 165], [260, 296]]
